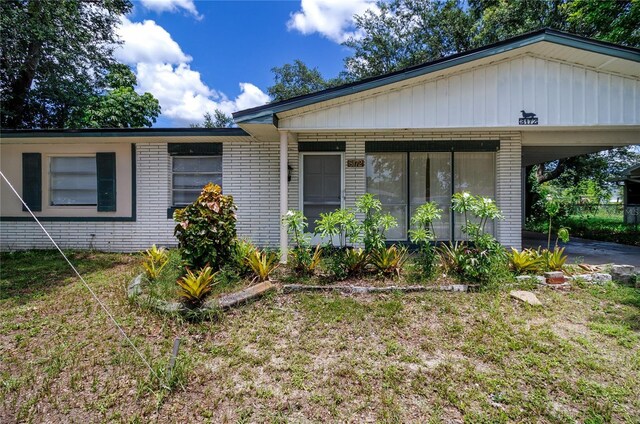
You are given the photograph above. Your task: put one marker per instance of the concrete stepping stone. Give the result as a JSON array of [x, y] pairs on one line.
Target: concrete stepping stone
[[525, 296]]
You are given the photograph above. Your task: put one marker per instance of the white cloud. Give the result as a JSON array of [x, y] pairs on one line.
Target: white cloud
[[172, 6], [331, 18], [163, 69], [147, 42]]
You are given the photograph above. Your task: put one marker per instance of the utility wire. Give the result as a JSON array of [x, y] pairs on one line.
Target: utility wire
[[102, 305]]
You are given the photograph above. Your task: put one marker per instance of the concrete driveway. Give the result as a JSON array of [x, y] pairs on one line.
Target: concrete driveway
[[588, 251]]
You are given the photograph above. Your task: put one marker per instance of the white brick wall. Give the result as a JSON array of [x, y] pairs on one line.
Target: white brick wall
[[250, 174]]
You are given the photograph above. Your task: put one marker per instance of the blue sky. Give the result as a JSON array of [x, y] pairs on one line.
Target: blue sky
[[195, 56]]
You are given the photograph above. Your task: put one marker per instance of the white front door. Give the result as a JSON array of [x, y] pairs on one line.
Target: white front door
[[322, 186]]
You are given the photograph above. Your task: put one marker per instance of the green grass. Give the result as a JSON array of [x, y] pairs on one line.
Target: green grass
[[428, 357], [602, 227]]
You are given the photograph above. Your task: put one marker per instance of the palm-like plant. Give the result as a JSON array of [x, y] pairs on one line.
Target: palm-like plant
[[155, 260], [389, 260], [525, 261], [193, 288], [262, 264]]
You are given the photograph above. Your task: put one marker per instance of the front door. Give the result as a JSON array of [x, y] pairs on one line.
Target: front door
[[321, 185]]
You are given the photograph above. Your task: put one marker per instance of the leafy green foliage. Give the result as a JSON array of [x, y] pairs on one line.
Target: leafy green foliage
[[527, 260], [193, 288], [389, 261], [241, 250], [119, 106], [219, 119], [341, 223], [297, 79], [296, 224], [375, 222], [54, 58], [423, 234], [262, 263], [206, 229], [346, 263], [555, 259], [155, 260]]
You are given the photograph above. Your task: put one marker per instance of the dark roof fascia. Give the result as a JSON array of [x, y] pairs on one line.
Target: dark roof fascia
[[126, 132], [261, 114]]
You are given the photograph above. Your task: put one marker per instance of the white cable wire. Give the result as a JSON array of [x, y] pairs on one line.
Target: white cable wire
[[102, 305]]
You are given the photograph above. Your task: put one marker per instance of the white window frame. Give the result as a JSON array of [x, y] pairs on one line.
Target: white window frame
[[50, 182], [172, 173]]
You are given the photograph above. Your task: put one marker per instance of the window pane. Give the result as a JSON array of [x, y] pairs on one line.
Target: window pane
[[387, 179], [195, 181], [197, 164], [430, 181], [73, 181], [191, 174], [475, 173]]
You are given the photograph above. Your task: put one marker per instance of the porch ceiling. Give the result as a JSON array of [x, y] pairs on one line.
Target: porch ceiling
[[534, 155]]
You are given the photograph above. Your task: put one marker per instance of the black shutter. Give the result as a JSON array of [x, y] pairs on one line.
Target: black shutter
[[32, 181], [106, 170]]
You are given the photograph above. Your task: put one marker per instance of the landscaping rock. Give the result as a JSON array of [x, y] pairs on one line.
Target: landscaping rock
[[601, 278], [523, 278], [625, 274], [525, 296], [135, 286], [290, 288], [540, 279], [252, 292]]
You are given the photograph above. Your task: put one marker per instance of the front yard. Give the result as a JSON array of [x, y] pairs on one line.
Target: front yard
[[428, 357]]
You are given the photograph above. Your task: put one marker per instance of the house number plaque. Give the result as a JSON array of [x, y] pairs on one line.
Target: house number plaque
[[528, 118], [355, 163]]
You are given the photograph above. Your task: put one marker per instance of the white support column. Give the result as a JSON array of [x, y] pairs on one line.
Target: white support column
[[284, 188]]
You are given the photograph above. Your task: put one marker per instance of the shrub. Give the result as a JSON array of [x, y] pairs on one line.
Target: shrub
[[341, 223], [555, 259], [301, 258], [347, 262], [375, 222], [389, 261], [155, 260], [193, 288], [423, 234], [206, 229], [241, 250], [527, 260], [262, 264]]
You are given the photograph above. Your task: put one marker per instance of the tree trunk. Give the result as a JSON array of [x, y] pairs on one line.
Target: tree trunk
[[22, 84]]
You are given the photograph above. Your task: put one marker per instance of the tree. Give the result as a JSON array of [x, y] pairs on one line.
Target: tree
[[54, 55], [219, 119], [297, 79], [119, 106], [404, 33]]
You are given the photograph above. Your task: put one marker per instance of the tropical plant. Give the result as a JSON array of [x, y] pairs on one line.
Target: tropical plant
[[206, 229], [345, 263], [375, 222], [423, 234], [241, 250], [464, 203], [456, 258], [193, 288], [524, 261], [155, 260], [552, 208], [262, 263], [555, 259], [563, 235], [296, 225], [389, 261], [341, 223], [303, 261]]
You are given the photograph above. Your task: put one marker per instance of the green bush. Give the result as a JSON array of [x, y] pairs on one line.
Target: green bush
[[423, 233], [206, 229], [375, 222], [341, 223]]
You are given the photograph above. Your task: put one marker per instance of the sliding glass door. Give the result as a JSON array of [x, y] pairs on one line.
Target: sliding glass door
[[405, 180]]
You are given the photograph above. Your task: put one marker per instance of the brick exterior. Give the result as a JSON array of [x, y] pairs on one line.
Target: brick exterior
[[251, 175]]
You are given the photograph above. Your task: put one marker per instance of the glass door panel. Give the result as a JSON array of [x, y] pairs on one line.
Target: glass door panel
[[387, 179]]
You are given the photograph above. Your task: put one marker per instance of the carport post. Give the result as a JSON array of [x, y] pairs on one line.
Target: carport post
[[284, 182]]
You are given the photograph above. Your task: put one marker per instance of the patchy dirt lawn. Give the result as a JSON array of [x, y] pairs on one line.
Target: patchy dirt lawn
[[432, 357]]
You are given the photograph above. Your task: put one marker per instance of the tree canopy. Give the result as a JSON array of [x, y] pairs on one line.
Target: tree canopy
[[296, 79], [219, 119], [119, 106], [54, 57]]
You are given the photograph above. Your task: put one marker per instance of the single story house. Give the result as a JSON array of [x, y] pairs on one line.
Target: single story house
[[471, 121]]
